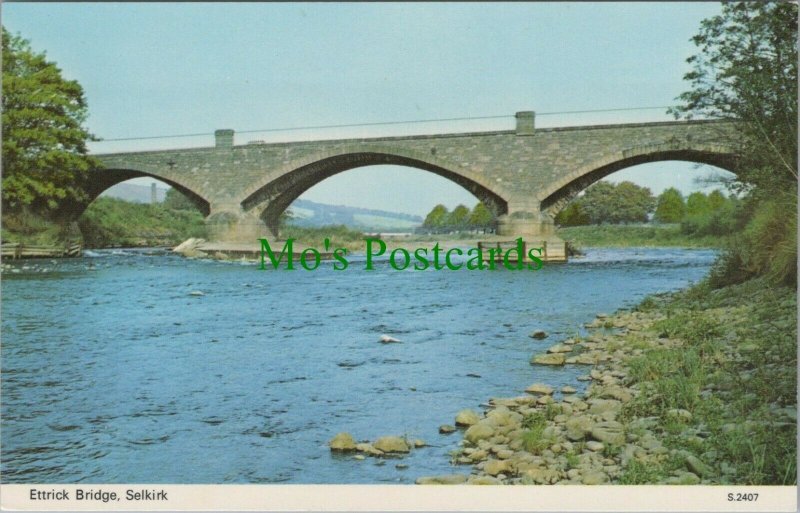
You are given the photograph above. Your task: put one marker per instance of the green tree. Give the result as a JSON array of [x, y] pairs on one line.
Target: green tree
[[458, 219], [45, 159], [627, 202], [481, 218], [572, 215], [670, 207], [746, 72], [436, 219], [697, 204], [716, 200]]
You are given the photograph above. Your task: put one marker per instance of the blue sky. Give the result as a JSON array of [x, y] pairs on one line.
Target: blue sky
[[160, 69]]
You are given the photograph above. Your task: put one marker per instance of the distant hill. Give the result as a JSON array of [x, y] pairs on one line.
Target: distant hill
[[310, 213], [303, 212], [134, 193]]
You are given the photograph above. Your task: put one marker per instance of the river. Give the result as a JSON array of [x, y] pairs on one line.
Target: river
[[113, 372]]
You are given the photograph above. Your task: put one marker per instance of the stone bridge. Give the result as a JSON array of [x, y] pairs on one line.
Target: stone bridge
[[525, 176]]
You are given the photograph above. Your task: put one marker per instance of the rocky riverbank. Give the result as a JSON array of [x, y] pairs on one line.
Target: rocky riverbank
[[697, 387]]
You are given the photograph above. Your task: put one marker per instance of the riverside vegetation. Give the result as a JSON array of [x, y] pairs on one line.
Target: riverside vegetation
[[694, 387]]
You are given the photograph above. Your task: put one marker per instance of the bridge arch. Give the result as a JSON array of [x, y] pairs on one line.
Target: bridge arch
[[557, 195], [103, 179], [275, 192]]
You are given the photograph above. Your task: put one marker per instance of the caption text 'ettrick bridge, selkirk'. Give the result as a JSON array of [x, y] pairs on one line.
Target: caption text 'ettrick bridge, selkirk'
[[525, 176]]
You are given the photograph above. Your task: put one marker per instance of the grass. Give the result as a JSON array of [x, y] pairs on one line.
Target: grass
[[112, 222], [533, 439], [729, 358], [622, 236], [28, 228], [340, 236]]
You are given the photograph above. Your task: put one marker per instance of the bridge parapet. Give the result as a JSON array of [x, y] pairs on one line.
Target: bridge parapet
[[524, 175]]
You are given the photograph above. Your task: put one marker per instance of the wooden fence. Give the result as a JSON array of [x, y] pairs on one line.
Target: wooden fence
[[15, 250]]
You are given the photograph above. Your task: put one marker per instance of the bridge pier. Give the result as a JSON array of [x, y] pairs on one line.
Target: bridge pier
[[235, 226], [536, 228], [534, 225]]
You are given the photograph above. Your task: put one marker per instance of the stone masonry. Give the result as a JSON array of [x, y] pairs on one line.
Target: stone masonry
[[525, 176]]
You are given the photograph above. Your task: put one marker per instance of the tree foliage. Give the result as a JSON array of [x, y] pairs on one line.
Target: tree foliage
[[440, 220], [44, 142], [697, 204], [670, 207], [436, 218], [572, 215], [746, 72], [458, 219], [626, 202], [481, 217]]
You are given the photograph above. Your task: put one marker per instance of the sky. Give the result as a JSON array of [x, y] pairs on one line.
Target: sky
[[171, 69]]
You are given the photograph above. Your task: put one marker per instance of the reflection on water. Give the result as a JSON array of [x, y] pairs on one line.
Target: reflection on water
[[114, 373]]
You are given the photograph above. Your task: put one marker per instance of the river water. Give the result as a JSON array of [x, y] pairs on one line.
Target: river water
[[113, 372]]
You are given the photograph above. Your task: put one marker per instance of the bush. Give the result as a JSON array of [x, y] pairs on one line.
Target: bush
[[767, 246], [112, 222]]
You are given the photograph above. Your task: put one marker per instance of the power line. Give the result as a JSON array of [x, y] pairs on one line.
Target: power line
[[379, 123]]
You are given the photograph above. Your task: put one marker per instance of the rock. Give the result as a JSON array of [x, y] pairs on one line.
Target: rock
[[386, 339], [467, 418], [480, 431], [479, 455], [401, 466], [391, 444], [502, 416], [684, 478], [609, 431], [560, 348], [539, 388], [446, 428], [544, 399], [594, 477], [616, 392], [369, 449], [450, 479], [191, 243], [680, 415], [494, 467], [419, 443], [342, 442], [549, 359], [542, 475], [578, 427], [568, 390], [601, 406], [595, 446], [789, 412], [584, 377], [694, 464], [483, 480], [539, 334], [197, 293], [505, 454], [359, 457]]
